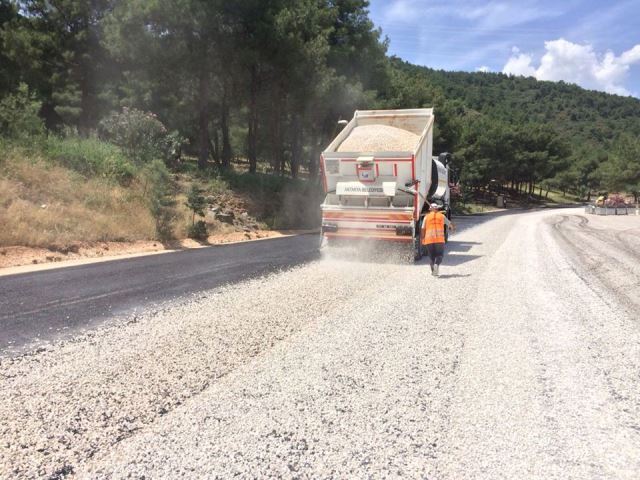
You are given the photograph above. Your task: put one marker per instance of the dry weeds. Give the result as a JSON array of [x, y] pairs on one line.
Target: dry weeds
[[48, 206]]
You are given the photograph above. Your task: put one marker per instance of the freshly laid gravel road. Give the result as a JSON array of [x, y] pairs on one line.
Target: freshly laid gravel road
[[521, 361]]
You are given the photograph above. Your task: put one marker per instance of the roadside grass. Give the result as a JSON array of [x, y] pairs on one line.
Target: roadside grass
[[470, 208], [90, 157], [60, 192], [47, 205], [486, 200], [559, 197]]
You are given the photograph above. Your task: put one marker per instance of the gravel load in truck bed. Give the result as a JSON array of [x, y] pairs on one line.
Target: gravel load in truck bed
[[379, 138]]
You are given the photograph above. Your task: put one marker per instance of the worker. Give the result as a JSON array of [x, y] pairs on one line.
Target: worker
[[433, 236]]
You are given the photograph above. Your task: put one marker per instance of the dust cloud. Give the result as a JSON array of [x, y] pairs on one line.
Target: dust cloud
[[366, 251]]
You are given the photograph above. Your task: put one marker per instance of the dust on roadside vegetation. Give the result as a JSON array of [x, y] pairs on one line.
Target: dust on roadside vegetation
[[51, 213]]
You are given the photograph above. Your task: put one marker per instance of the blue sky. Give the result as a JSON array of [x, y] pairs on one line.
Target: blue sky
[[595, 44]]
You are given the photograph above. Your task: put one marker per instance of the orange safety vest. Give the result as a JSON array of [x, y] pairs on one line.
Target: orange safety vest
[[433, 228]]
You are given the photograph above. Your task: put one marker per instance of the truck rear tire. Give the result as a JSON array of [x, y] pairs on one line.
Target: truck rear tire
[[417, 252], [417, 244]]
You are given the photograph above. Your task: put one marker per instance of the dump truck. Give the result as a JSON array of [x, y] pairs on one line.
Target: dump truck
[[379, 177]]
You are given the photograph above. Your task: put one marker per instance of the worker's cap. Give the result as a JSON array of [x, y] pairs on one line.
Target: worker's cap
[[434, 206]]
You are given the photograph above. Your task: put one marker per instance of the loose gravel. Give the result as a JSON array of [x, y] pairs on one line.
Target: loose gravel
[[609, 249], [512, 364], [551, 363], [64, 404], [379, 138]]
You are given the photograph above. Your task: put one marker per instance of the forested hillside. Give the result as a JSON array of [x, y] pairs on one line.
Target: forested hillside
[[522, 130], [131, 91], [259, 79]]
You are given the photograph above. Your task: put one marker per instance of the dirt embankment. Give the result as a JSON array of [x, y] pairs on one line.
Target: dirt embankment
[[50, 214]]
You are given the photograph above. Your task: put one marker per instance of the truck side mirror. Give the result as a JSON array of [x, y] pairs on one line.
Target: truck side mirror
[[445, 158]]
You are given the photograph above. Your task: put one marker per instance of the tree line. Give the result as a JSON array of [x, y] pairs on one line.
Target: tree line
[[265, 81], [261, 79], [523, 133]]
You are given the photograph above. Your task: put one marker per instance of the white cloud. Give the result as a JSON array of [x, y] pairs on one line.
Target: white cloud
[[484, 17], [402, 11], [496, 15], [631, 56], [576, 63], [519, 64], [420, 13], [483, 69]]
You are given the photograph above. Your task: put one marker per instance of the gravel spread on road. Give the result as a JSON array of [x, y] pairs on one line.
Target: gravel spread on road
[[379, 138], [515, 363], [65, 403], [608, 249]]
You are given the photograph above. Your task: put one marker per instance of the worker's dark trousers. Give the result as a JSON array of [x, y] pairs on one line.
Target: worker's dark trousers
[[435, 252]]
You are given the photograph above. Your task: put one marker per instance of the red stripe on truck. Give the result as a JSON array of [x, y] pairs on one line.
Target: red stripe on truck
[[371, 220], [403, 218], [364, 214], [413, 168], [403, 159], [324, 176], [384, 238], [416, 186]]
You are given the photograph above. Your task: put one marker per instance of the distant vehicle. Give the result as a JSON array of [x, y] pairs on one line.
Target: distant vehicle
[[380, 176]]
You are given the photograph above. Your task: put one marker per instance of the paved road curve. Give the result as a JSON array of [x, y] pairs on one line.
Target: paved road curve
[[43, 305]]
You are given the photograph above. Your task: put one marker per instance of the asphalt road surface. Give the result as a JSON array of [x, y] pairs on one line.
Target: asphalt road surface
[[41, 306], [521, 361]]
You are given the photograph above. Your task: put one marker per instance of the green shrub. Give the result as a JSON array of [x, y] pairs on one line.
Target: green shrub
[[196, 202], [140, 135], [257, 182], [120, 169], [158, 193], [89, 156], [19, 114], [198, 230], [173, 145], [218, 185]]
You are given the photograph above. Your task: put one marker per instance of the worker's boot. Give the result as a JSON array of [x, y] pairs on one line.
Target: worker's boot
[[436, 270]]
